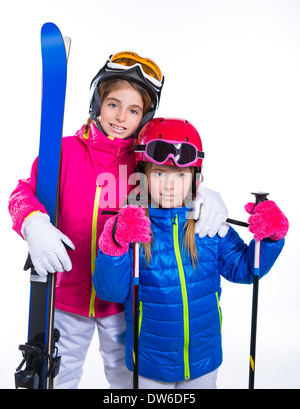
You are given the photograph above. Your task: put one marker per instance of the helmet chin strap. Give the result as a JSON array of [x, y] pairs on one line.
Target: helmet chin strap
[[197, 180], [146, 118], [98, 125]]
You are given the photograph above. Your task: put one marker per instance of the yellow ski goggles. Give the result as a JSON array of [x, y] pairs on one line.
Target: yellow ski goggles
[[129, 59]]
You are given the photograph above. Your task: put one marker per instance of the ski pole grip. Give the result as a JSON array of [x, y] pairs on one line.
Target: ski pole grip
[[260, 197]]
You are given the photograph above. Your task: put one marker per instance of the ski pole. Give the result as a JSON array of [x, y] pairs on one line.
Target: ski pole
[[40, 355], [260, 197], [136, 277]]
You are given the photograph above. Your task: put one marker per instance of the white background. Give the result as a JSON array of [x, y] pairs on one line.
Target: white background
[[232, 68]]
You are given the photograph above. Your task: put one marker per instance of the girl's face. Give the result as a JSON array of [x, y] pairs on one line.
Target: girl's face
[[169, 185], [121, 112]]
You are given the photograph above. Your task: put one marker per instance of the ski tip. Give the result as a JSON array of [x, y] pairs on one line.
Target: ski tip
[[50, 29], [52, 43], [49, 26], [67, 42]]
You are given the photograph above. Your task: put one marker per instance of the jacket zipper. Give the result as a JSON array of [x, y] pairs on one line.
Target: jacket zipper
[[94, 248], [219, 310], [184, 299]]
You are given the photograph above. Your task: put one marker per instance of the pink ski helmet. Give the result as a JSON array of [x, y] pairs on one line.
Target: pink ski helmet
[[169, 141]]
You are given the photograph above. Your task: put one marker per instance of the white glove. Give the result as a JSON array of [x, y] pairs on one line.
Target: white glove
[[210, 213], [48, 254]]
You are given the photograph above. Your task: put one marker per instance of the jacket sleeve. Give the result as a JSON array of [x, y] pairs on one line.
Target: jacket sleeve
[[23, 201], [112, 277], [236, 259]]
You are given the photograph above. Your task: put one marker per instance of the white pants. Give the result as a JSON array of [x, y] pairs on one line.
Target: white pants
[[76, 333], [208, 381]]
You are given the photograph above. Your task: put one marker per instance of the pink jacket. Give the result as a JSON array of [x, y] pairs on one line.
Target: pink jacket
[[89, 161]]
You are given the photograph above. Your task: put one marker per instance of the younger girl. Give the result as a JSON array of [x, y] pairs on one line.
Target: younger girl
[[180, 319]]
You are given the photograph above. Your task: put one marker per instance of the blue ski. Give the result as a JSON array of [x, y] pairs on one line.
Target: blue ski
[[40, 353]]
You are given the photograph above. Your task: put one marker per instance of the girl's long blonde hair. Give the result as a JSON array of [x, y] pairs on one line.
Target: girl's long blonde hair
[[188, 244]]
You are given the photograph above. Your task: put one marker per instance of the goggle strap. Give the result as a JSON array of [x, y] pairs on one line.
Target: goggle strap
[[139, 148]]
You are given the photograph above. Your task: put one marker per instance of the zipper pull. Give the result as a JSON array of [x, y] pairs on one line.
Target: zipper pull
[[174, 220]]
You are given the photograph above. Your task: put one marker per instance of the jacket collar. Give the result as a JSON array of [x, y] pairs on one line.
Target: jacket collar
[[169, 214], [105, 148]]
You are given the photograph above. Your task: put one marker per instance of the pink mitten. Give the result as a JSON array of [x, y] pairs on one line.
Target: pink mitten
[[267, 221], [130, 225]]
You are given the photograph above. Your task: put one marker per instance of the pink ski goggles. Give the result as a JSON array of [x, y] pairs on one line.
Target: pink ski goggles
[[159, 151]]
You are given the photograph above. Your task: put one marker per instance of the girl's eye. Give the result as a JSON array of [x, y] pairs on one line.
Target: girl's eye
[[113, 105], [136, 112]]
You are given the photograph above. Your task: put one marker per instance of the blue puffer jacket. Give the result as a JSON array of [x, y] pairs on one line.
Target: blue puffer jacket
[[180, 318]]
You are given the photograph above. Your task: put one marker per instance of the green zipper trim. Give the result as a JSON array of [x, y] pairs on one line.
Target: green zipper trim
[[94, 248], [220, 314], [184, 300], [140, 316]]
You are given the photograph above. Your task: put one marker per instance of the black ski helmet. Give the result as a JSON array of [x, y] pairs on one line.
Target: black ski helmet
[[128, 66]]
